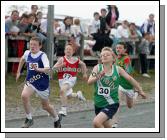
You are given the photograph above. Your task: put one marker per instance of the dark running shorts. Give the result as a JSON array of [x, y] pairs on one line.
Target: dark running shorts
[[109, 110]]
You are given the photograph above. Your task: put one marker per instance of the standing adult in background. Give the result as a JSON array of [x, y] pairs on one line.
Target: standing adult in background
[[94, 27], [112, 15], [143, 52], [103, 25], [12, 29], [149, 27], [34, 9]]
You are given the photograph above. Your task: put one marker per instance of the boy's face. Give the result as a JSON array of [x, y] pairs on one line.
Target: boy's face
[[31, 19], [103, 13], [68, 21], [15, 16], [96, 17], [34, 46], [120, 49], [106, 56], [68, 50], [24, 21]]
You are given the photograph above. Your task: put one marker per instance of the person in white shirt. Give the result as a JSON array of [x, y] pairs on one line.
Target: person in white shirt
[[56, 28], [43, 26], [149, 25], [123, 31], [95, 25], [76, 31], [66, 27]]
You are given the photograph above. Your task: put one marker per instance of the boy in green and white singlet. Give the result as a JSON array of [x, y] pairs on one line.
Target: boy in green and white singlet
[[105, 78]]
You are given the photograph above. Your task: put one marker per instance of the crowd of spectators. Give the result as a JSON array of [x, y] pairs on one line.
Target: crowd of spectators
[[104, 30]]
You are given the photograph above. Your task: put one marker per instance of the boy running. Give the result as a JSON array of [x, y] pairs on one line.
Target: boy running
[[67, 67], [105, 77], [36, 81], [126, 88], [123, 60]]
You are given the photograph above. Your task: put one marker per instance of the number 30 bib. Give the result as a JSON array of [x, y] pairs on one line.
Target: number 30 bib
[[104, 91]]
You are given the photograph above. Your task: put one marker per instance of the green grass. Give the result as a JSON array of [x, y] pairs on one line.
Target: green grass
[[13, 89]]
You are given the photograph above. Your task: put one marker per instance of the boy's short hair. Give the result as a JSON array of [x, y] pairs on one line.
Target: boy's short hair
[[37, 39], [107, 49], [103, 9], [76, 21], [15, 11], [95, 13], [122, 43], [24, 15], [34, 6]]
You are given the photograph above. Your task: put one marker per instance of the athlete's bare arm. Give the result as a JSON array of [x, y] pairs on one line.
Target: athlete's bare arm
[[132, 81], [21, 63]]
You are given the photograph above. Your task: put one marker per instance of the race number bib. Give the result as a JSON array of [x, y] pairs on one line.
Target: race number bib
[[104, 91], [31, 66], [67, 76]]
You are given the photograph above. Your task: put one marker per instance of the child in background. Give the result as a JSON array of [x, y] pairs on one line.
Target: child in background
[[76, 31]]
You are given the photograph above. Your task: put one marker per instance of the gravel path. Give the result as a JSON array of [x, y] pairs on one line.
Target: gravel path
[[74, 106]]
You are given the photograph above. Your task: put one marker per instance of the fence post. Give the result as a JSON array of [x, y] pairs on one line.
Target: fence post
[[82, 47], [50, 43], [6, 54]]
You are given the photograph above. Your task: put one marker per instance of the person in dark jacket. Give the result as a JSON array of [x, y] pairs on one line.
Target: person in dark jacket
[[112, 15]]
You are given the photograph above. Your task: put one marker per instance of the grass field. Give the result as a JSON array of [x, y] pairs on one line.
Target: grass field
[[13, 89]]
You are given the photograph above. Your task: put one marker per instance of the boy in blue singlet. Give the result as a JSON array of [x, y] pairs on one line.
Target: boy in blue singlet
[[37, 80]]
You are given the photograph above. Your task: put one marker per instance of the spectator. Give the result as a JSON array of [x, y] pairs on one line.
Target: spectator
[[94, 27], [143, 52], [34, 9], [43, 27], [112, 16], [123, 30], [23, 23], [12, 29], [149, 25], [38, 20], [103, 24], [11, 22], [66, 26], [134, 36], [56, 27], [124, 35], [31, 29], [39, 17], [76, 31]]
